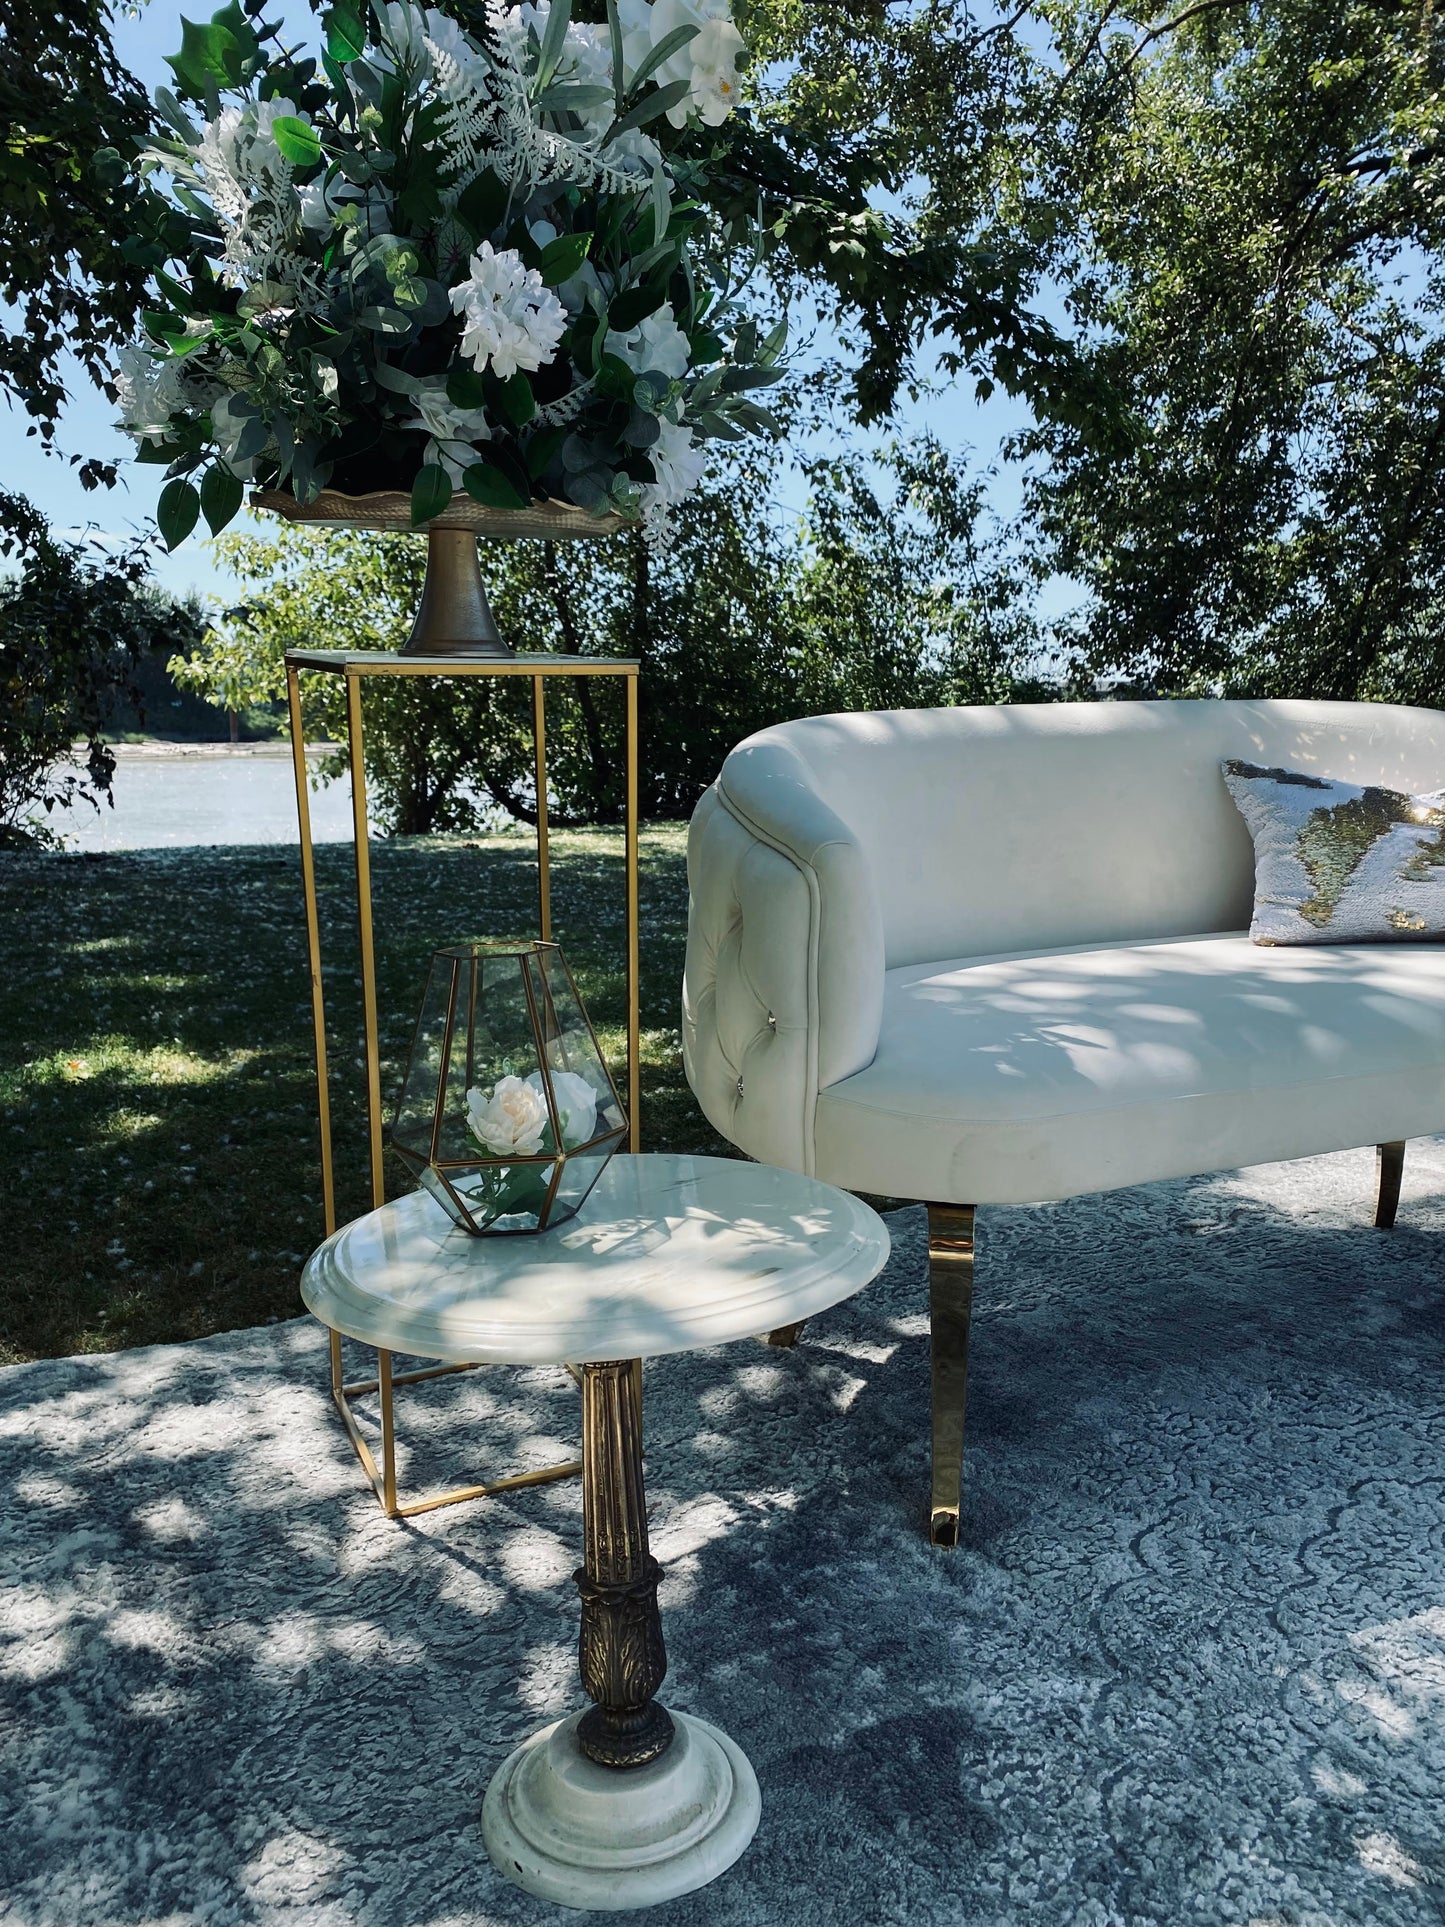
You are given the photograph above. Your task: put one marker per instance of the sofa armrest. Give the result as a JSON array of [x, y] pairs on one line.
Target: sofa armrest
[[783, 984]]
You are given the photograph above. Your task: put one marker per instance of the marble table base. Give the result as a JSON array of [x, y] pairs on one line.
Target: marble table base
[[586, 1835], [624, 1804]]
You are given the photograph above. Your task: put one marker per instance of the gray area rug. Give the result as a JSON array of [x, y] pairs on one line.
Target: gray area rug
[[1189, 1666]]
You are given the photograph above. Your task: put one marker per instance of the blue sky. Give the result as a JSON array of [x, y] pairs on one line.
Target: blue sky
[[87, 428]]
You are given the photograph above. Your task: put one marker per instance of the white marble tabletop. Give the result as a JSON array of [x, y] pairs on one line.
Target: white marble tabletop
[[667, 1254]]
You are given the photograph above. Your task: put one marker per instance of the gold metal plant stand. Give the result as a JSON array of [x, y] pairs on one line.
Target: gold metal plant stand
[[355, 666]]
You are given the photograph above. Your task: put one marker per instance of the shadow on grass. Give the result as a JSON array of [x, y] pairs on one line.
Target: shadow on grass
[[157, 1072]]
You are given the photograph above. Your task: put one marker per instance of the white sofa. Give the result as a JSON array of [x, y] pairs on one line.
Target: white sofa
[[994, 956]]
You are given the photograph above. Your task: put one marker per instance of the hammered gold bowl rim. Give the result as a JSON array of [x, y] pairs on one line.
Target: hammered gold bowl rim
[[389, 509]]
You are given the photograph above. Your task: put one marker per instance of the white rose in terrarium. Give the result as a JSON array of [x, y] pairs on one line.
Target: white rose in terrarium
[[576, 1105], [511, 1121]]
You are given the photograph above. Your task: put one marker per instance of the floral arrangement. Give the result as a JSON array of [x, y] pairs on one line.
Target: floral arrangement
[[454, 256], [512, 1122]]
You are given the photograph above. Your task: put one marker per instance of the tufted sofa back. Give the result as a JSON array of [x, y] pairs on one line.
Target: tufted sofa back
[[834, 849], [1023, 826]]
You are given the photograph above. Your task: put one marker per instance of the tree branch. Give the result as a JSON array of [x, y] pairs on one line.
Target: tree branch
[[1179, 20]]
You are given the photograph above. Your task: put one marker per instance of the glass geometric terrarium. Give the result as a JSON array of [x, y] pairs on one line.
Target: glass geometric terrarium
[[507, 1114]]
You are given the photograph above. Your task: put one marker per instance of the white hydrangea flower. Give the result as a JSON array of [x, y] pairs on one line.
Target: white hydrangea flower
[[635, 151], [511, 1121], [656, 345], [453, 430], [239, 143], [149, 392], [263, 152], [432, 48], [512, 320]]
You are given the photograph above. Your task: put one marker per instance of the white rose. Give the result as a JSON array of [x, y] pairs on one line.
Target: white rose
[[511, 1121], [576, 1104], [322, 200], [453, 430], [656, 344]]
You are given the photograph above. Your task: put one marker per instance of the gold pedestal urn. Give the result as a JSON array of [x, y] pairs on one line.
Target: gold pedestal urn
[[455, 618]]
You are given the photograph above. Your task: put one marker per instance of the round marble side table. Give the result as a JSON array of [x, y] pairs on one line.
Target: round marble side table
[[624, 1804]]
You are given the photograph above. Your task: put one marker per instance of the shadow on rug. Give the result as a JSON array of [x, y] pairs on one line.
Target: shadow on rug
[[1188, 1666]]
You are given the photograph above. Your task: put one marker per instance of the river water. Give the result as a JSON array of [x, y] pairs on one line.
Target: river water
[[166, 797]]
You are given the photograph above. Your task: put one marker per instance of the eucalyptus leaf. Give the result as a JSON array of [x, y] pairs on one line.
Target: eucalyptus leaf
[[221, 494], [562, 258], [554, 40], [659, 55], [345, 33], [297, 141], [486, 483], [384, 321], [176, 512], [650, 107], [431, 492], [642, 428]]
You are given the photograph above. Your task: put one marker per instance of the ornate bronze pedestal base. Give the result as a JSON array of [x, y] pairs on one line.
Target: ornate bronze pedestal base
[[626, 1804], [621, 1654]]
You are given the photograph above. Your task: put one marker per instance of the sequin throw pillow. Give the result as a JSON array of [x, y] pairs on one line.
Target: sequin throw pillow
[[1337, 864]]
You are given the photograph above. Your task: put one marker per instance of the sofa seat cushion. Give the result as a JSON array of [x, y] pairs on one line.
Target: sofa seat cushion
[[1014, 1078]]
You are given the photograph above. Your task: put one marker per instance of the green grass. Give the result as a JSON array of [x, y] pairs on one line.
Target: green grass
[[158, 1146]]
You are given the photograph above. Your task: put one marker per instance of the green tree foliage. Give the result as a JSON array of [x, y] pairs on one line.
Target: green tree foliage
[[1260, 201], [1236, 207], [74, 623], [72, 259], [884, 595], [1233, 210]]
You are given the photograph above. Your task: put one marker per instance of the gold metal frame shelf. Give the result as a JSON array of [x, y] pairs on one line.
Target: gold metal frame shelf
[[355, 666], [383, 1477]]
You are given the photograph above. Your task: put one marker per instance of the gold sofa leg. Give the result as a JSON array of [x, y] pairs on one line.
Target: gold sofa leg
[[787, 1336], [950, 1305], [1390, 1162]]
